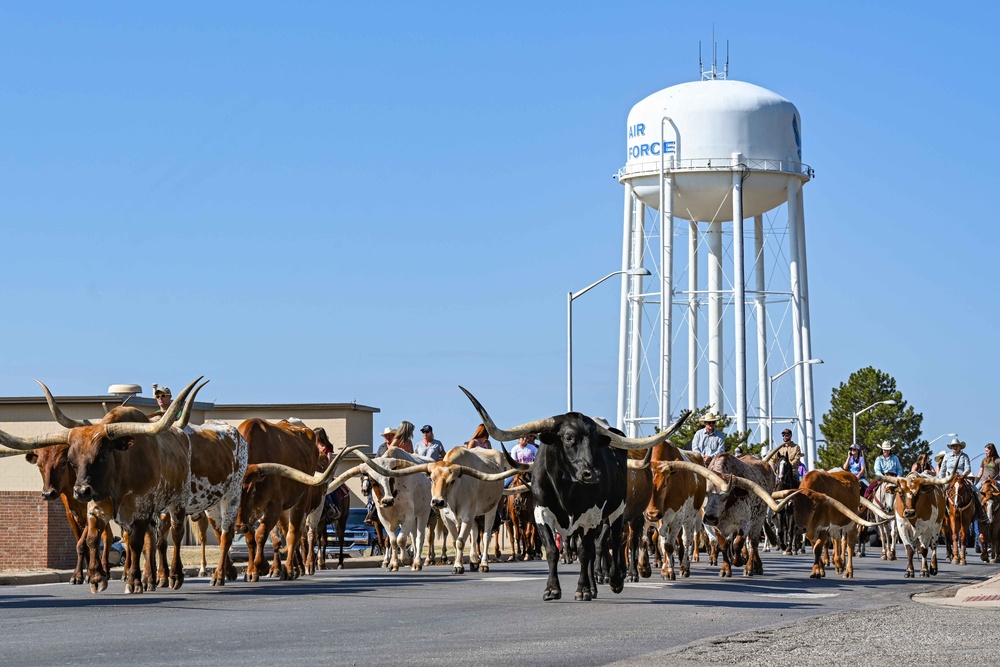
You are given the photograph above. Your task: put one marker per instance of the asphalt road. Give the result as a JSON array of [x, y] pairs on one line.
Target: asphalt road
[[370, 617]]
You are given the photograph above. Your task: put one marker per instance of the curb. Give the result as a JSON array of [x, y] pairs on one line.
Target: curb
[[982, 595]]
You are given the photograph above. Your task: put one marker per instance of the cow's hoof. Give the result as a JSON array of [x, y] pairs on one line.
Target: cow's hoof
[[908, 574], [616, 587], [473, 566], [582, 596], [551, 594], [892, 556], [484, 568], [78, 579], [458, 569], [814, 575], [177, 581]]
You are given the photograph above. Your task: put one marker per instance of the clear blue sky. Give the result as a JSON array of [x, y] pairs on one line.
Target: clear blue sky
[[322, 202]]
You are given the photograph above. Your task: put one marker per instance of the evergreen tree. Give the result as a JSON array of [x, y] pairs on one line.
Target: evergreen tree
[[899, 423], [682, 439]]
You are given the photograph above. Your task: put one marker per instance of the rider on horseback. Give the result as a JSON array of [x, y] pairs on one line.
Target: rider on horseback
[[887, 464]]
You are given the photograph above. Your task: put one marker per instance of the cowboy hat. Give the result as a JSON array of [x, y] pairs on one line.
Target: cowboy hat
[[388, 430], [709, 417], [940, 456], [885, 446], [956, 442]]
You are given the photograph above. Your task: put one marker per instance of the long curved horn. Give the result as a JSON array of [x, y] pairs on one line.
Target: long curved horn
[[486, 476], [762, 493], [59, 415], [943, 482], [182, 421], [34, 442], [715, 478], [876, 509], [517, 490], [844, 509], [770, 454], [306, 478], [523, 467], [622, 442], [513, 433], [4, 452], [634, 464], [402, 471], [117, 430], [890, 479]]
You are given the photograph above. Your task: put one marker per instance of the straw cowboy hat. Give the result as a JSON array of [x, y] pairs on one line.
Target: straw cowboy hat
[[940, 457], [956, 442], [388, 430], [709, 417], [885, 446]]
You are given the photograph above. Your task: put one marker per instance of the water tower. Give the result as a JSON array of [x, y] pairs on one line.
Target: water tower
[[704, 159]]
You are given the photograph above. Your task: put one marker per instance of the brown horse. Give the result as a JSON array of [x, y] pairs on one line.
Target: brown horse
[[523, 530], [989, 530], [961, 511]]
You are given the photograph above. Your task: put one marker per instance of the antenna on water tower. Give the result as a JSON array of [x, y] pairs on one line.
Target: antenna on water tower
[[713, 74]]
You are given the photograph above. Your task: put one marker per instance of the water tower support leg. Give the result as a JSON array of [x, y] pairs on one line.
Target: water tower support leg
[[635, 309], [793, 253], [715, 358], [739, 299], [623, 360], [760, 308], [693, 303]]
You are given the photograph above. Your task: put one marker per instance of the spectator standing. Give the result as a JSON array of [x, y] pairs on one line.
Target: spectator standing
[[388, 433], [404, 437], [163, 399], [524, 451], [429, 448], [480, 438], [707, 441]]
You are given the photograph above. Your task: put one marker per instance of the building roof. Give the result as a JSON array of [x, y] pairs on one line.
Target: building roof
[[198, 405]]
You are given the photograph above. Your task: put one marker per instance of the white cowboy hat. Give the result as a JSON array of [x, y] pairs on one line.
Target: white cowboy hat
[[956, 441], [709, 417], [885, 446], [940, 456], [388, 430]]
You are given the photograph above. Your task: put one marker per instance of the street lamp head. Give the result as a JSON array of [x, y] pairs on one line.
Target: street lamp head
[[813, 361], [889, 402], [638, 272]]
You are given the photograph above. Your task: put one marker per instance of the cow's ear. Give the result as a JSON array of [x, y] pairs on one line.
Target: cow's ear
[[31, 457], [253, 475], [549, 437], [121, 444]]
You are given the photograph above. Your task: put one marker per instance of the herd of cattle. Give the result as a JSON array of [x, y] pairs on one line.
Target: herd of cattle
[[590, 490]]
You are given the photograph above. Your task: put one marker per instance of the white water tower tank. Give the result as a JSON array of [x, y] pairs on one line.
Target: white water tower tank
[[718, 154], [706, 123]]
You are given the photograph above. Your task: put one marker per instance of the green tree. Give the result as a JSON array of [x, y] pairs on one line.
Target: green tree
[[682, 439], [899, 424]]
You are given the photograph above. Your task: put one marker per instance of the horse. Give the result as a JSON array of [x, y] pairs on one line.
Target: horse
[[521, 509], [961, 511], [885, 498], [789, 536]]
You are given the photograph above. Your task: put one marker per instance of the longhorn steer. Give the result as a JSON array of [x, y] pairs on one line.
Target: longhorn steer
[[822, 508], [466, 484], [578, 483], [141, 468], [920, 512], [58, 480], [675, 503], [265, 498], [731, 509]]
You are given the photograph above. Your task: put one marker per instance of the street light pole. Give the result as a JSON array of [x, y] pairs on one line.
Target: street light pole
[[570, 297], [943, 435], [770, 396], [854, 419]]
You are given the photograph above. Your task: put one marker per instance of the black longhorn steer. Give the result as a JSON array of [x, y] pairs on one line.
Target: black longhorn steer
[[578, 482]]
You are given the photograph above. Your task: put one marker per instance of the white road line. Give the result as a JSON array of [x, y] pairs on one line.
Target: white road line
[[798, 595]]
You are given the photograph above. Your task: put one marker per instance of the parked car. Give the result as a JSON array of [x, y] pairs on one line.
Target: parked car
[[238, 550], [359, 537]]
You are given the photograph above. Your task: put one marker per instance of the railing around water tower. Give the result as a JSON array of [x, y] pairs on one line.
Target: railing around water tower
[[718, 164]]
